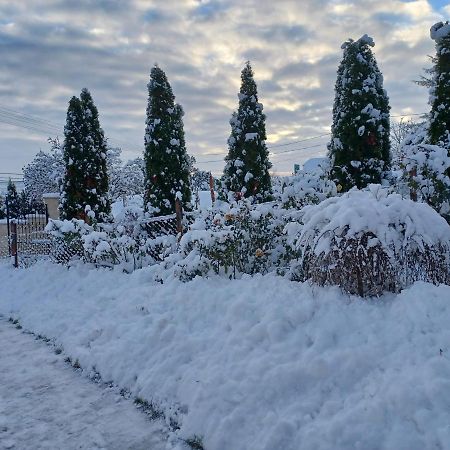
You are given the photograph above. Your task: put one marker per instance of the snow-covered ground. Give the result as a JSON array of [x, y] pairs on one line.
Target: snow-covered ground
[[44, 404], [254, 364]]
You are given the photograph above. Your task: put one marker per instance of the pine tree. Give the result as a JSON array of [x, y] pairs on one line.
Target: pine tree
[[439, 129], [166, 160], [359, 149], [12, 198], [85, 184], [2, 208], [247, 164]]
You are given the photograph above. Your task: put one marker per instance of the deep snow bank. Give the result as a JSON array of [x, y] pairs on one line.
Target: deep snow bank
[[259, 363]]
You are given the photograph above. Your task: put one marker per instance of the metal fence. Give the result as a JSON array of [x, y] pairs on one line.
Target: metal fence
[[27, 238]]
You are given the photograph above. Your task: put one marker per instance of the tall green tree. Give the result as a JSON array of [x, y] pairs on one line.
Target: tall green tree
[[165, 156], [2, 208], [439, 129], [246, 171], [85, 183], [359, 149], [13, 200]]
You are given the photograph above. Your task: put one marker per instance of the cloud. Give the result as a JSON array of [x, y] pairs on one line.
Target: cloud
[[50, 51]]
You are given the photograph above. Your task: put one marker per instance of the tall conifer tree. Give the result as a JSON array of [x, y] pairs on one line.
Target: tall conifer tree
[[247, 165], [96, 167], [12, 197], [359, 147], [85, 183], [439, 129], [166, 160]]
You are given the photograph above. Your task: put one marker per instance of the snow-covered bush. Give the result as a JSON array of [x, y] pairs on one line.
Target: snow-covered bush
[[424, 171], [243, 239], [370, 241], [306, 188], [67, 236]]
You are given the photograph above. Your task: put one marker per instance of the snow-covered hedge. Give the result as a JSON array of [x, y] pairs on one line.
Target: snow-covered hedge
[[125, 244], [371, 241], [239, 239], [229, 240]]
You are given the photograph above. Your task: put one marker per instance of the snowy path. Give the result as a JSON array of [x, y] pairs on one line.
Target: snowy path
[[44, 404]]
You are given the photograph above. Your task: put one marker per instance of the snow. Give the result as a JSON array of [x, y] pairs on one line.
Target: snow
[[260, 362], [367, 40], [250, 136], [51, 195], [439, 31], [134, 205], [205, 200], [46, 404], [314, 164], [394, 220]]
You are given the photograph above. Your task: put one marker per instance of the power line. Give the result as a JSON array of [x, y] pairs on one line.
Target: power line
[[301, 140], [33, 123], [408, 115], [29, 116], [274, 154], [26, 125]]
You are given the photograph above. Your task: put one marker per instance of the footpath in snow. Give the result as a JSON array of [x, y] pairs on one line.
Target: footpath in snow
[[45, 404]]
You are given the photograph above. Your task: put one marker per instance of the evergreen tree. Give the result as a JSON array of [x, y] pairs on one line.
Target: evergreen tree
[[439, 129], [359, 149], [2, 208], [72, 199], [85, 184], [247, 164], [25, 206], [12, 197], [166, 160]]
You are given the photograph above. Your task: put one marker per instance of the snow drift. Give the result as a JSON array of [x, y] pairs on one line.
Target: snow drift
[[258, 363]]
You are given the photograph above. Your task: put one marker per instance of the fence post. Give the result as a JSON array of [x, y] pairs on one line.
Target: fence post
[[14, 244], [46, 213], [179, 214], [8, 226], [211, 188]]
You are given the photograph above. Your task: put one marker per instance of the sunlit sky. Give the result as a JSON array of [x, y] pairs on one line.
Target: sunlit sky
[[51, 49]]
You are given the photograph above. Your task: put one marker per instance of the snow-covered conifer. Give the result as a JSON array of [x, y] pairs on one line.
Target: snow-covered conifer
[[85, 184], [359, 149], [166, 160], [246, 171], [12, 197], [439, 129], [2, 208]]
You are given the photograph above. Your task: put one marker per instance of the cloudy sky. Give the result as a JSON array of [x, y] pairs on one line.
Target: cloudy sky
[[50, 50]]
